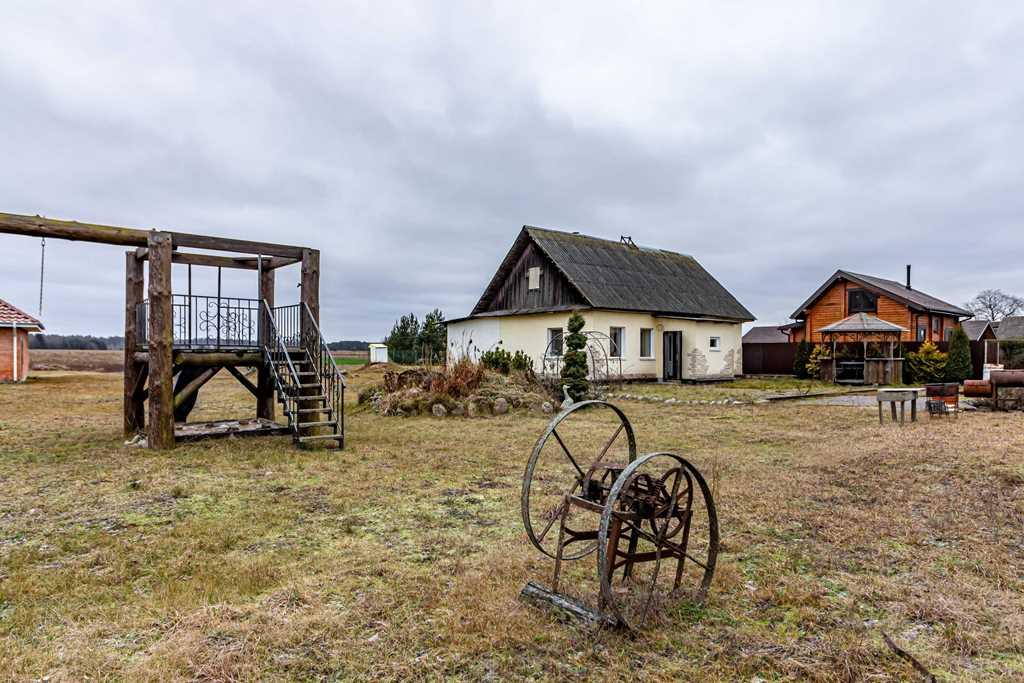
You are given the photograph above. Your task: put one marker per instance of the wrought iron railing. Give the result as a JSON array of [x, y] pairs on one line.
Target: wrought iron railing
[[207, 322], [322, 362], [279, 359]]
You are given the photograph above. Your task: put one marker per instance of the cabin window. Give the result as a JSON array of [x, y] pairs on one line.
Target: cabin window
[[533, 277], [646, 343], [861, 301], [555, 341], [922, 332], [947, 334], [936, 327], [715, 343], [617, 338]]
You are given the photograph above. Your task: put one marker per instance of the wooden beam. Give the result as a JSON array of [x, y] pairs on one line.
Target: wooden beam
[[239, 262], [37, 226], [160, 344], [310, 296], [134, 372], [194, 386], [209, 358], [244, 381]]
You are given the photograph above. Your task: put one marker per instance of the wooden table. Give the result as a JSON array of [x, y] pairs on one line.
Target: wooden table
[[901, 396]]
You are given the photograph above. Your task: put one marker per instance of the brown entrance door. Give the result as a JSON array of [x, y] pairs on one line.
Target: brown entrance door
[[673, 355]]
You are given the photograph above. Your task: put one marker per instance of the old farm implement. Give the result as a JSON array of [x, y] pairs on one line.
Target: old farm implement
[[650, 519]]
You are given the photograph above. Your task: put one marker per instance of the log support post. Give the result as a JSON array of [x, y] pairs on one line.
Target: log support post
[[134, 371], [310, 296], [265, 379], [160, 342]]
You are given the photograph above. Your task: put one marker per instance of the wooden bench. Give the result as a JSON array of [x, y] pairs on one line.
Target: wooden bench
[[901, 396]]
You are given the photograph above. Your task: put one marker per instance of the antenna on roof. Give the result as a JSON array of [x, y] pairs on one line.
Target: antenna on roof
[[628, 241]]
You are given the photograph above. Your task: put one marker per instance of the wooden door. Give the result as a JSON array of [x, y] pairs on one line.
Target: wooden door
[[672, 358]]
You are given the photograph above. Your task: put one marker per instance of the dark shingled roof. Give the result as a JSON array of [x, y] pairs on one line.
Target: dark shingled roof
[[862, 322], [1011, 329], [611, 274], [891, 288], [975, 328], [767, 334]]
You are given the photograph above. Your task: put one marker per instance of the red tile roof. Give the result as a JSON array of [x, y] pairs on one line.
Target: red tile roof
[[10, 315]]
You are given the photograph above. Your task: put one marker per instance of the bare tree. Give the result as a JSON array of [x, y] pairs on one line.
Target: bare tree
[[994, 304]]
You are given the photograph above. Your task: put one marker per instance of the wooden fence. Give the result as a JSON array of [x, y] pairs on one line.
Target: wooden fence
[[777, 359]]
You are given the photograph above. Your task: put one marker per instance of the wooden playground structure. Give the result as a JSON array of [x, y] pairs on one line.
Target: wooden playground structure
[[176, 342]]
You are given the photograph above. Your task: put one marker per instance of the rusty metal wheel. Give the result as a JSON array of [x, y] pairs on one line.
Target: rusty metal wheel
[[662, 510], [598, 446]]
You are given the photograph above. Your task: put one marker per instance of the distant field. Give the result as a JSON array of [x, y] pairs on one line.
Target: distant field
[[349, 361], [86, 361]]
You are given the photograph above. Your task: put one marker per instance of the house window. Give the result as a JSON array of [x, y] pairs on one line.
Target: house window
[[936, 327], [861, 301], [617, 338], [555, 341], [646, 343], [715, 343], [947, 334], [533, 277], [922, 332]]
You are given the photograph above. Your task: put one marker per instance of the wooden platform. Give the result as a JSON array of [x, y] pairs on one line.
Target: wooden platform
[[193, 431]]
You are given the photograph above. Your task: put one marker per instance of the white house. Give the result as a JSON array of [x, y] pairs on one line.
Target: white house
[[657, 314]]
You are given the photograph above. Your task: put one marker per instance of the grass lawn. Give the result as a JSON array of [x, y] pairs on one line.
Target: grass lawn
[[342, 360], [746, 389], [402, 556]]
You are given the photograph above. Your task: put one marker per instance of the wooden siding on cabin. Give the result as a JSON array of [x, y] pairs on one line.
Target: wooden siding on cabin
[[515, 294], [832, 307]]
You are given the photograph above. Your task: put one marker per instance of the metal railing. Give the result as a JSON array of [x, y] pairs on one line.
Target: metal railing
[[277, 356], [332, 382], [207, 322]]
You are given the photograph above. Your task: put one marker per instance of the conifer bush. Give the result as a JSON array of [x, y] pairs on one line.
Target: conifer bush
[[574, 364]]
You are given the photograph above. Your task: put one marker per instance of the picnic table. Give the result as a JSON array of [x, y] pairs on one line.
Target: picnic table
[[901, 396]]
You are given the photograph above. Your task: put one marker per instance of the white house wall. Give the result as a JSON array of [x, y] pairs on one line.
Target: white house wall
[[528, 333]]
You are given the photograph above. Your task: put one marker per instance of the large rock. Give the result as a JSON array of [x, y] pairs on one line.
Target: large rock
[[500, 406], [439, 410]]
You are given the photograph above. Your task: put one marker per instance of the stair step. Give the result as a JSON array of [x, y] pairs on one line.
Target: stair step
[[309, 386], [319, 437], [325, 423], [313, 410]]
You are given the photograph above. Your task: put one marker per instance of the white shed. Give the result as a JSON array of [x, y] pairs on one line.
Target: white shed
[[378, 353]]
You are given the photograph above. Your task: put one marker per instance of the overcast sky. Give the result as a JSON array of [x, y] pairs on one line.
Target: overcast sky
[[410, 141]]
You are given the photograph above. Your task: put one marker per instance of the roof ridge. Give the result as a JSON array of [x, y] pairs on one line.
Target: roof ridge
[[618, 242]]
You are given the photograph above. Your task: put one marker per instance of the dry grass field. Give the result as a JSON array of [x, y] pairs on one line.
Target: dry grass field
[[402, 556]]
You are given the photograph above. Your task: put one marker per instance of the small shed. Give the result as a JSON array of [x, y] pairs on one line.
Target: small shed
[[864, 350], [15, 326], [378, 353]]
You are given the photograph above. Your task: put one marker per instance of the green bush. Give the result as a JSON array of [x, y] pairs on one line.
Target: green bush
[[521, 362], [497, 359], [958, 365], [574, 363], [927, 365], [818, 353], [803, 354]]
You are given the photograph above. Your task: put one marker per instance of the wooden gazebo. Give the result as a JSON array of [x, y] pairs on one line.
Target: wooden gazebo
[[875, 345]]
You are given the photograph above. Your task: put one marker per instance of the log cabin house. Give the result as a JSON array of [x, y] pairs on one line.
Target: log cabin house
[[650, 313], [923, 317], [15, 326]]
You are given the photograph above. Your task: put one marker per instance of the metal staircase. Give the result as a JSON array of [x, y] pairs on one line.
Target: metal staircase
[[308, 384]]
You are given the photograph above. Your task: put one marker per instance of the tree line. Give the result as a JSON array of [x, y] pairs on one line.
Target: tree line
[[77, 342], [411, 341]]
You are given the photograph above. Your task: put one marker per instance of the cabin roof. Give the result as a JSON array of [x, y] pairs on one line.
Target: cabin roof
[[975, 329], [622, 276], [1011, 329], [911, 297], [765, 334], [862, 322], [11, 316]]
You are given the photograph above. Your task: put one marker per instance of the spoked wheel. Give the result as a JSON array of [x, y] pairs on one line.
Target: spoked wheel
[[566, 462], [658, 538]]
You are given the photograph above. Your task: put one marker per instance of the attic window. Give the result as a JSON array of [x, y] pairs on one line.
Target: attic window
[[533, 276], [861, 301]]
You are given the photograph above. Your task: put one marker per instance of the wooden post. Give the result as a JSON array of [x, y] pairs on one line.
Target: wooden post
[[265, 380], [161, 343], [134, 406], [311, 282]]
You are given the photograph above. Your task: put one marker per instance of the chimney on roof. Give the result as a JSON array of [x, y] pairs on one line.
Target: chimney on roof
[[627, 240], [908, 277]]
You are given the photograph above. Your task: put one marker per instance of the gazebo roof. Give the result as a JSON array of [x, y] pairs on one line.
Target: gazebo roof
[[862, 323]]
